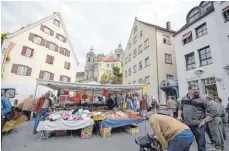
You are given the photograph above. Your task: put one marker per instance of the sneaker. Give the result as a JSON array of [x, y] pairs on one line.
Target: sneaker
[[34, 132]]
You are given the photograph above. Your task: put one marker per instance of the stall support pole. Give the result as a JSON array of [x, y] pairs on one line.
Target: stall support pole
[[34, 97], [93, 98]]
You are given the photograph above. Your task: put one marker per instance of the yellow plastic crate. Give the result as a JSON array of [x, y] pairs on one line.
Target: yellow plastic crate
[[98, 118]]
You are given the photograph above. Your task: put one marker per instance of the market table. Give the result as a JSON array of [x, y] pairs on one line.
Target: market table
[[119, 123], [63, 125]]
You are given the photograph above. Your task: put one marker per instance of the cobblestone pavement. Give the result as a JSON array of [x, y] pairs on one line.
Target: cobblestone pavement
[[24, 140]]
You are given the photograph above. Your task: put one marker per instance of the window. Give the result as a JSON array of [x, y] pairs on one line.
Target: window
[[140, 81], [206, 6], [52, 46], [61, 38], [37, 39], [146, 44], [166, 39], [65, 52], [126, 60], [28, 52], [49, 59], [135, 53], [67, 65], [205, 56], [140, 49], [187, 37], [140, 65], [134, 82], [201, 30], [146, 61], [125, 73], [193, 83], [112, 65], [65, 79], [141, 34], [169, 77], [46, 76], [135, 29], [168, 58], [88, 59], [147, 80], [190, 61], [21, 70], [56, 22], [226, 13], [108, 65], [135, 39], [135, 68], [47, 30], [129, 57], [193, 15], [129, 71]]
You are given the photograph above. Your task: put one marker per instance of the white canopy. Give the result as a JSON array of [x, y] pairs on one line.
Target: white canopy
[[58, 85]]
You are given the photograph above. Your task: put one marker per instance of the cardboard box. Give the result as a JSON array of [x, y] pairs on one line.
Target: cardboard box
[[86, 132], [105, 132]]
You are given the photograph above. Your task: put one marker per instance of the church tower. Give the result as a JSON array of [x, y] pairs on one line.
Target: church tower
[[90, 60], [119, 52]]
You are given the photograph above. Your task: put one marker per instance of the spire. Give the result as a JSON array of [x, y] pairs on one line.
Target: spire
[[120, 45]]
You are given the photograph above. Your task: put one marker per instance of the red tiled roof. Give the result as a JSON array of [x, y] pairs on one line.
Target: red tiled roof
[[111, 59]]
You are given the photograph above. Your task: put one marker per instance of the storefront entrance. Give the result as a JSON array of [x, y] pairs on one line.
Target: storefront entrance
[[170, 87]]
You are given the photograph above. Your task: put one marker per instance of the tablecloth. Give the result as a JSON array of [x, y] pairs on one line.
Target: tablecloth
[[119, 123], [64, 125]]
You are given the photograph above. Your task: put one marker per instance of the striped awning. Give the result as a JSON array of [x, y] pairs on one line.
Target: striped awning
[[186, 35]]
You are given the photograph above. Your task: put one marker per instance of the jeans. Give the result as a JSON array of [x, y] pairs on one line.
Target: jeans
[[43, 114], [181, 142], [199, 134]]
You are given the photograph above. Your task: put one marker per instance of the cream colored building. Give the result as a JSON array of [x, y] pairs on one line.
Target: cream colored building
[[150, 59], [41, 50]]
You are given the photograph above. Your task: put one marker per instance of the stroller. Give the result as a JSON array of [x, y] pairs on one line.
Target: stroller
[[148, 143]]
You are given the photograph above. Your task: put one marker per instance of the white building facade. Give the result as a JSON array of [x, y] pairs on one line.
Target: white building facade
[[202, 50], [150, 60], [41, 51]]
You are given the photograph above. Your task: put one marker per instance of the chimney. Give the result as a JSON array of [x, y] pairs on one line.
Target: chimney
[[168, 26]]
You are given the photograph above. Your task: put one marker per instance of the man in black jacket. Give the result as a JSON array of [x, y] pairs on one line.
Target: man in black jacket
[[110, 103]]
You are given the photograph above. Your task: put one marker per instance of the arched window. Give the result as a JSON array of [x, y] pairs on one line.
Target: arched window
[[205, 6], [89, 59], [193, 15], [118, 56]]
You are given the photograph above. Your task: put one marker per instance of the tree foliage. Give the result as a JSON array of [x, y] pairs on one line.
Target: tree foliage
[[106, 78], [3, 37], [117, 78]]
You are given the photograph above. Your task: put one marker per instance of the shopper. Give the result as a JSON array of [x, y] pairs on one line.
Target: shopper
[[196, 113], [6, 108], [110, 102], [171, 133], [28, 105], [143, 106], [171, 106], [136, 103], [129, 103], [154, 105], [41, 109]]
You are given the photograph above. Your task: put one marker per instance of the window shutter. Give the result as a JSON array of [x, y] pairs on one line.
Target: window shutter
[[47, 44], [61, 78], [52, 33], [42, 42], [61, 50], [29, 71], [69, 79], [32, 53], [68, 53], [56, 49], [42, 27], [65, 65], [31, 36], [52, 59], [51, 76], [14, 68], [69, 65], [41, 75], [24, 49]]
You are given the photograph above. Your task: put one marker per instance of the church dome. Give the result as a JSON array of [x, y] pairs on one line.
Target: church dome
[[119, 49], [91, 53]]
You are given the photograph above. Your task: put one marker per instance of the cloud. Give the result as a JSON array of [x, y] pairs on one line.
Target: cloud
[[101, 24]]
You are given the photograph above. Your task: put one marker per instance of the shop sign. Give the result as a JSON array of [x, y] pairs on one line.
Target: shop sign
[[144, 88], [199, 71]]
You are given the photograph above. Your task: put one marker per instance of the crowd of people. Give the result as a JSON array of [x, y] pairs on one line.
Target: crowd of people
[[195, 117]]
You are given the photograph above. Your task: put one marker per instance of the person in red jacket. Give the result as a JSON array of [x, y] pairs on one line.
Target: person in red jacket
[[143, 106], [41, 109]]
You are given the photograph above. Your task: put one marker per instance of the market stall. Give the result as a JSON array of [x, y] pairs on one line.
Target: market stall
[[110, 119]]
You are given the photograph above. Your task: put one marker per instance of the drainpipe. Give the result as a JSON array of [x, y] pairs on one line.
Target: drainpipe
[[158, 89]]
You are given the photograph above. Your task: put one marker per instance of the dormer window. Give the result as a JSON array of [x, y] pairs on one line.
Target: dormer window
[[193, 15], [205, 6]]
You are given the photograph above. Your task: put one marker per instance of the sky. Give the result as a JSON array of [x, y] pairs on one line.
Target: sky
[[99, 24]]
